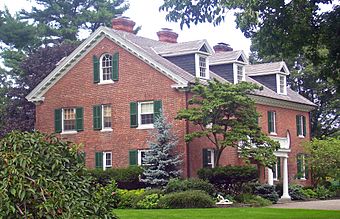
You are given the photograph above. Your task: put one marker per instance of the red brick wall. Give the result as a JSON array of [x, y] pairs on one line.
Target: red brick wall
[[137, 82]]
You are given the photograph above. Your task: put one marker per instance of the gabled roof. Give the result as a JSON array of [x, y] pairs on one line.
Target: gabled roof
[[227, 57], [138, 46], [267, 68], [175, 49]]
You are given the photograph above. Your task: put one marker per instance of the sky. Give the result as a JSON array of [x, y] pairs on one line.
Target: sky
[[146, 14]]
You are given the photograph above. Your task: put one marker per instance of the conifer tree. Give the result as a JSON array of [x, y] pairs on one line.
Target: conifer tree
[[161, 161]]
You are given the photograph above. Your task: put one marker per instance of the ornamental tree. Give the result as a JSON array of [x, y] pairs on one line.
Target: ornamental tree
[[226, 115], [43, 177], [324, 159], [161, 161]]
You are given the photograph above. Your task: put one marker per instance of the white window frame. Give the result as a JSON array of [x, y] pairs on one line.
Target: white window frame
[[106, 129], [278, 84], [274, 120], [235, 70], [212, 155], [102, 81], [197, 66], [301, 127], [62, 121], [140, 125], [104, 160], [139, 157], [303, 166], [276, 171]]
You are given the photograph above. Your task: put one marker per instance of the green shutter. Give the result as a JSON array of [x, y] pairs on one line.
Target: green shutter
[[133, 114], [298, 125], [278, 168], [205, 157], [96, 70], [99, 160], [299, 166], [57, 120], [79, 119], [133, 157], [304, 125], [97, 117], [157, 106], [270, 119], [115, 66], [306, 168]]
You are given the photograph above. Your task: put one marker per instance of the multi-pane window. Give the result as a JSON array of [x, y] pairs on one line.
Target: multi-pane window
[[69, 119], [107, 159], [203, 66], [302, 169], [271, 122], [146, 113], [276, 169], [282, 83], [106, 67], [208, 158], [239, 73], [301, 125], [106, 116], [141, 156]]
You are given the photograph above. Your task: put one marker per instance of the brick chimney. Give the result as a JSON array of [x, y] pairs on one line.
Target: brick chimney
[[167, 35], [123, 23], [222, 47]]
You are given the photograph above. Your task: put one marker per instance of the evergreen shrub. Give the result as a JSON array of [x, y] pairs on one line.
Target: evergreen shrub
[[186, 199], [268, 192], [252, 200], [178, 185], [229, 179]]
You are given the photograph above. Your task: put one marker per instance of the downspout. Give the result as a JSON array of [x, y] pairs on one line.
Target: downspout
[[187, 132]]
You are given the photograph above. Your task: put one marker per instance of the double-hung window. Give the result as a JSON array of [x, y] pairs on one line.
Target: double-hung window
[[143, 114], [302, 168], [277, 169], [103, 160], [106, 67], [240, 75], [272, 122], [68, 120], [208, 158], [102, 117], [281, 84], [136, 157], [301, 126], [202, 66]]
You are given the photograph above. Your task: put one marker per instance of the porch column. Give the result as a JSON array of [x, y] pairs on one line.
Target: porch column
[[270, 177], [285, 194]]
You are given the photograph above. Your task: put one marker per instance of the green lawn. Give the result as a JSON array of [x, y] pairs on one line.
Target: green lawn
[[232, 213]]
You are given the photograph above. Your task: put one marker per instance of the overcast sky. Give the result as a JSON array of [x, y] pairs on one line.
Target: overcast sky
[[146, 14]]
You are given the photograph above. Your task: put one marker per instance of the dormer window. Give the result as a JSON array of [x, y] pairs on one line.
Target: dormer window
[[281, 84], [239, 73], [202, 66], [106, 68]]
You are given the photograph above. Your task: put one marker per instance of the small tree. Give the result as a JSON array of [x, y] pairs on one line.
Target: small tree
[[324, 159], [161, 161], [226, 115]]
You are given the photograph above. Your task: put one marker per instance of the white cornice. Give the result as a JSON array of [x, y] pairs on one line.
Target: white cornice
[[282, 103], [37, 93]]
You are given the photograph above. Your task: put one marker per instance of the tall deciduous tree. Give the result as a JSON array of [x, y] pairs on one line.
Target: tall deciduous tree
[[19, 113], [226, 115], [161, 160]]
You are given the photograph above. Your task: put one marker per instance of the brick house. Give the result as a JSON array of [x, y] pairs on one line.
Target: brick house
[[107, 92]]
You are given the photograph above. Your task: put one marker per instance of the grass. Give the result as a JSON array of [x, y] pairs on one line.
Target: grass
[[234, 213]]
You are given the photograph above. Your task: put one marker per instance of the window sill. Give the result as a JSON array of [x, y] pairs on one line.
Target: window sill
[[106, 82], [273, 133], [106, 130], [145, 126], [301, 136], [303, 179], [68, 132]]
